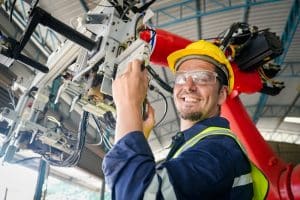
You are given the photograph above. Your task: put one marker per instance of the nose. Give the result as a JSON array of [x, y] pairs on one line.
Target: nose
[[190, 84]]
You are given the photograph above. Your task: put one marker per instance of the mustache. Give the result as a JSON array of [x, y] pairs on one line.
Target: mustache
[[185, 92]]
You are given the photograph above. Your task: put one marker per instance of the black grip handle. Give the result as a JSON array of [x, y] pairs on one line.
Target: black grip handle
[[33, 63]]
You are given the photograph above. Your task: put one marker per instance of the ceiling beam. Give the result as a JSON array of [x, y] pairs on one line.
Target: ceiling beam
[[288, 110], [290, 28], [281, 136], [175, 12], [218, 3], [290, 70], [199, 25], [276, 110], [286, 40], [246, 11]]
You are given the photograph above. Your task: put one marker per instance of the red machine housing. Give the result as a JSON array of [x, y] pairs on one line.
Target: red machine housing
[[284, 179]]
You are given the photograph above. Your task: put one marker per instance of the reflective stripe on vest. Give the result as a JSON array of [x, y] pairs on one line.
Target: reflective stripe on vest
[[160, 178], [260, 183]]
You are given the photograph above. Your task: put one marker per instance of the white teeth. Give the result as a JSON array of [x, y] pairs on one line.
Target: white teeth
[[189, 99]]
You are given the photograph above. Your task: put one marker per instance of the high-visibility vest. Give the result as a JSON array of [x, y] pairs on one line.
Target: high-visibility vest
[[259, 181]]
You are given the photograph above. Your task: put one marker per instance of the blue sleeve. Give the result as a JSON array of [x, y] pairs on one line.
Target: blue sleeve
[[129, 167], [202, 172]]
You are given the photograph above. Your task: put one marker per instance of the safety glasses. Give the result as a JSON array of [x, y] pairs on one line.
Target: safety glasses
[[202, 77]]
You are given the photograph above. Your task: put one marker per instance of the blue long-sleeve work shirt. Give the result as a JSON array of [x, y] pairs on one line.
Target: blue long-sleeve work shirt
[[205, 171]]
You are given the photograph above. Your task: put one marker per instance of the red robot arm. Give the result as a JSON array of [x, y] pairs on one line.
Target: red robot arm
[[284, 179]]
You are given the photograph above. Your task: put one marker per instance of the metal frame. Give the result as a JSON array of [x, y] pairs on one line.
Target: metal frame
[[178, 17], [290, 70], [246, 11], [20, 15], [40, 190], [38, 33]]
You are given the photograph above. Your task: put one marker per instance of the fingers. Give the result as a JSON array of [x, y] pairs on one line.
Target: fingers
[[131, 86], [135, 67], [138, 69], [128, 68]]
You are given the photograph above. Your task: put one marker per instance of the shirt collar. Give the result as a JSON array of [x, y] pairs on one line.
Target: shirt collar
[[200, 126]]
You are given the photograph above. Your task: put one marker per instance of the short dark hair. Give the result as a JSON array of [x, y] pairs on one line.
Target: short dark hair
[[221, 76]]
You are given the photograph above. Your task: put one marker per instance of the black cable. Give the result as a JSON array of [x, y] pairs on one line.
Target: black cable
[[152, 88], [6, 5], [156, 77], [2, 36], [73, 159], [213, 38], [35, 4], [99, 133], [84, 6], [119, 9], [153, 31], [143, 8], [135, 26], [123, 16], [226, 39], [12, 10], [81, 136], [109, 120], [106, 143], [237, 36]]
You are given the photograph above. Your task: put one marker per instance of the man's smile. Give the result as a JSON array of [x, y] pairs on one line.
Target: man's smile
[[189, 99]]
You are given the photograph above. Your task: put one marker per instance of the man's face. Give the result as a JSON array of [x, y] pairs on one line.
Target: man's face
[[197, 101]]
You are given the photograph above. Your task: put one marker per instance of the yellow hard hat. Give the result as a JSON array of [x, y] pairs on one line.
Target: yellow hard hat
[[206, 51]]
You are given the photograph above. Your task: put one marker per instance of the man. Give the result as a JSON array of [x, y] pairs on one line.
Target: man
[[205, 161]]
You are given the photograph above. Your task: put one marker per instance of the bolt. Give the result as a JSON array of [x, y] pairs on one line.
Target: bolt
[[88, 19], [273, 161]]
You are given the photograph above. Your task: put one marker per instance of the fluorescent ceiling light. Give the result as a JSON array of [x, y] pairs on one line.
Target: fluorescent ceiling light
[[292, 120]]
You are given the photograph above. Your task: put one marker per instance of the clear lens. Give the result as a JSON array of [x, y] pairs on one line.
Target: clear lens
[[198, 77]]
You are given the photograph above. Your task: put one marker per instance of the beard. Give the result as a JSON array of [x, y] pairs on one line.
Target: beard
[[195, 116]]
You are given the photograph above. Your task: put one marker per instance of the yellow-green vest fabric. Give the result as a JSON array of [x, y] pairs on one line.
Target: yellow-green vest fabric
[[259, 181]]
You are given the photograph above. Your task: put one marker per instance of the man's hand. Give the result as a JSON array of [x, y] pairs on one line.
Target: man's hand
[[149, 122], [129, 91]]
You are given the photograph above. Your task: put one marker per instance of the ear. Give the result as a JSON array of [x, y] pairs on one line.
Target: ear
[[223, 94]]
